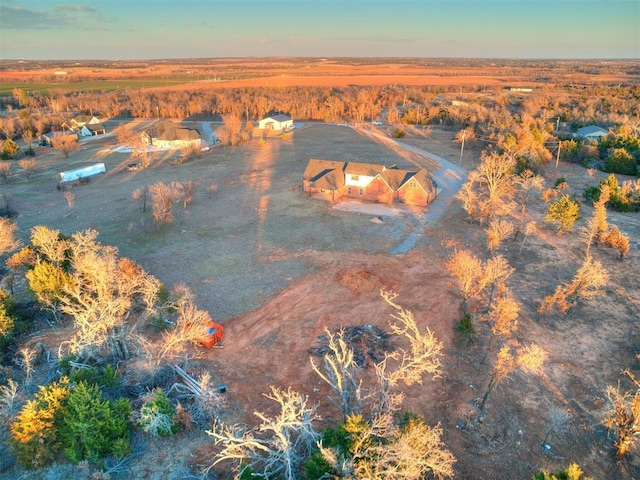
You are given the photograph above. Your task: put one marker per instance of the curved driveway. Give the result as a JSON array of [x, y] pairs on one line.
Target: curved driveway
[[449, 179]]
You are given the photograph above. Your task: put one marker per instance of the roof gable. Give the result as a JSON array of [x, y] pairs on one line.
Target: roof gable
[[422, 179], [592, 130], [316, 167], [365, 169], [280, 117]]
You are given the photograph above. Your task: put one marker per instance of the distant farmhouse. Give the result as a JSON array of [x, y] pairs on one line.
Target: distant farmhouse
[[366, 181], [46, 139], [592, 132], [169, 135], [276, 122], [85, 125]]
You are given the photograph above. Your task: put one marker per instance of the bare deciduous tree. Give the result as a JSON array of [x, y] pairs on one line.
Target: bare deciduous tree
[[586, 284], [527, 183], [529, 228], [339, 372], [29, 167], [618, 240], [102, 293], [498, 231], [141, 194], [189, 189], [624, 416], [70, 198], [65, 142], [163, 198], [5, 170], [190, 324], [490, 189], [277, 446], [8, 240], [467, 269], [528, 359]]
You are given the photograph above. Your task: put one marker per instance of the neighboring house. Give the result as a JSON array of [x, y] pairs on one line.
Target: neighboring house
[[166, 134], [80, 121], [92, 129], [46, 140], [366, 181], [276, 122], [592, 132]]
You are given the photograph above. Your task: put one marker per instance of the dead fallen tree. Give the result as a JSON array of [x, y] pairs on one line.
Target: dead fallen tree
[[204, 400]]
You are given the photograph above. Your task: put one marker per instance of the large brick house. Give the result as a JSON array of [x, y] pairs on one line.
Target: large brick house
[[366, 181]]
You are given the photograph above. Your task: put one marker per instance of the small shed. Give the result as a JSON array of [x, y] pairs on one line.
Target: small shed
[[276, 122]]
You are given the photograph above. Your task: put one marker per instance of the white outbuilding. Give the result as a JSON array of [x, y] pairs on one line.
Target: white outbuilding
[[276, 122]]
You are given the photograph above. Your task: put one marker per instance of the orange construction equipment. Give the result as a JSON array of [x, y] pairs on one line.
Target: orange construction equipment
[[213, 335]]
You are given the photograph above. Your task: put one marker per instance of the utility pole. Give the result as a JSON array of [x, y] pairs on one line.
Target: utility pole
[[558, 155], [464, 132], [557, 123]]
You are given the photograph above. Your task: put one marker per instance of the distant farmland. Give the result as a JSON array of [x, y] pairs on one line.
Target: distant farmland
[[92, 85]]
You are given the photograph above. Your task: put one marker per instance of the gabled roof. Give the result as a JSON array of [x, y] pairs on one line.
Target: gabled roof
[[592, 130], [422, 178], [168, 131], [395, 178], [327, 174], [84, 119], [95, 127], [365, 169], [280, 117]]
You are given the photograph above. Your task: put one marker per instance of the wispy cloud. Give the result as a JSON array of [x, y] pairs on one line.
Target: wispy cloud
[[57, 17]]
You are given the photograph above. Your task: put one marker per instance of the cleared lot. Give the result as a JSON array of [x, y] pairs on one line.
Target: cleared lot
[[236, 246]]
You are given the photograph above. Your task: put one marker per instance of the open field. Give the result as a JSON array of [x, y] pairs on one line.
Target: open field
[[277, 267], [330, 72]]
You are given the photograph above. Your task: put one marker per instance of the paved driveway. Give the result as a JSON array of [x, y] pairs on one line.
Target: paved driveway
[[449, 179]]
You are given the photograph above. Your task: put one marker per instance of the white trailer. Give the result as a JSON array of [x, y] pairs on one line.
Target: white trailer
[[71, 175]]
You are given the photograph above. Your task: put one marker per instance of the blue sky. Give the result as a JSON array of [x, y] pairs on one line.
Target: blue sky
[[142, 29]]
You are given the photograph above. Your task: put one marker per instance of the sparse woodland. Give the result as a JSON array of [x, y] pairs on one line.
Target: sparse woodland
[[83, 403]]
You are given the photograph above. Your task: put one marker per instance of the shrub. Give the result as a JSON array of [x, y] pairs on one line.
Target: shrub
[[560, 181], [317, 465], [157, 415], [101, 376], [34, 433], [573, 472], [564, 212], [7, 318], [465, 329], [619, 200], [93, 428], [47, 282], [398, 133], [622, 162]]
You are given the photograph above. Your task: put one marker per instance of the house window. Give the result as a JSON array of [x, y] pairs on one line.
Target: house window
[[412, 184], [349, 191], [361, 192], [355, 178]]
